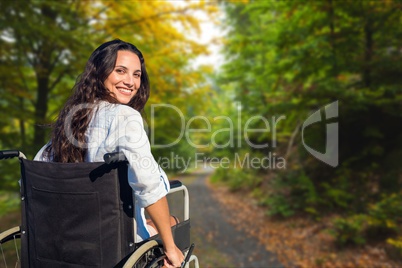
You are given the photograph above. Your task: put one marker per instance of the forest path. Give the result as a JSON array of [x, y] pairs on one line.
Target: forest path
[[218, 242]]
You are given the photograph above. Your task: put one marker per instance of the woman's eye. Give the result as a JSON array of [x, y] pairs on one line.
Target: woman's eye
[[137, 75], [120, 71]]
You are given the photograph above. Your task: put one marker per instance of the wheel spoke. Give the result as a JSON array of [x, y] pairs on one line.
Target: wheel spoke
[[10, 244], [2, 253], [17, 251]]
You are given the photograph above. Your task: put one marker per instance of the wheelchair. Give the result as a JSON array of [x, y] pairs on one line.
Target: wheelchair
[[77, 215]]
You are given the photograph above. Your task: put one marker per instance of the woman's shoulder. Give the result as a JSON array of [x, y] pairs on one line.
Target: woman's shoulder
[[118, 109]]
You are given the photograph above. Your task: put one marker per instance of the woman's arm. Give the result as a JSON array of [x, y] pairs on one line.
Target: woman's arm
[[148, 181], [159, 213]]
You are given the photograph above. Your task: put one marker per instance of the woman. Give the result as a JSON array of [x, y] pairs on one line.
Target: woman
[[102, 116]]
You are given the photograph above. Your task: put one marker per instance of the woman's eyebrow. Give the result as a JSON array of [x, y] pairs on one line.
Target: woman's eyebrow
[[124, 67]]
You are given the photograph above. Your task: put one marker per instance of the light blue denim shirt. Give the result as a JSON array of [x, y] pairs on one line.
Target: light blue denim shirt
[[116, 127]]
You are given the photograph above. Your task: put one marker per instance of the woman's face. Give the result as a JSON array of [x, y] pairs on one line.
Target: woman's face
[[125, 79]]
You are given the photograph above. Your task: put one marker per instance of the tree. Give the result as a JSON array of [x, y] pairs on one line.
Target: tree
[[291, 58], [44, 46]]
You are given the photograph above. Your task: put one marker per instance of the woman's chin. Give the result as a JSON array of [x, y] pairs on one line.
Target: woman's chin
[[124, 99]]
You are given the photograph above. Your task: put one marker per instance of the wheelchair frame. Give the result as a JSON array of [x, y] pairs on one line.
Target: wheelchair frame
[[151, 249]]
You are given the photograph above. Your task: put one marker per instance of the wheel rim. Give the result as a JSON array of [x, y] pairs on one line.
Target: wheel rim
[[149, 255], [10, 248]]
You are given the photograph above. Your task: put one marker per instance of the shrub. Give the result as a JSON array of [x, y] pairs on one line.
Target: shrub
[[387, 213], [291, 192], [349, 231], [237, 178], [381, 221], [394, 248]]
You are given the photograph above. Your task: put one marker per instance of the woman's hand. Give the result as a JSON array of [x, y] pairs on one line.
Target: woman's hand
[[159, 213], [174, 257]]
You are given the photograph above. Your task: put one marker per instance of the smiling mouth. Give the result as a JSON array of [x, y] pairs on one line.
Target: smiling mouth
[[125, 90]]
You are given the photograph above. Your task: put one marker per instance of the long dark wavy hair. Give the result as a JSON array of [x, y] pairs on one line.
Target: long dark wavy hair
[[87, 91]]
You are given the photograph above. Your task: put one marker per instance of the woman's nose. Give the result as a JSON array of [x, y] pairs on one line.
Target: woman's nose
[[128, 80]]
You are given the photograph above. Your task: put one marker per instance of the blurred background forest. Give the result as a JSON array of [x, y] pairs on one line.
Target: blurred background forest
[[280, 58]]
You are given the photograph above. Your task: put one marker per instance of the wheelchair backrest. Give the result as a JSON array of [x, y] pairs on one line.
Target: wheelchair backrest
[[76, 214]]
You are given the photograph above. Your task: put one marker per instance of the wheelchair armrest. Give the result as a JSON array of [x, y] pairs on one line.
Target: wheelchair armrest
[[114, 157], [175, 184]]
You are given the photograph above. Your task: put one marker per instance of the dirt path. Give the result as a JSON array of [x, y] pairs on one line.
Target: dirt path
[[219, 243], [221, 220]]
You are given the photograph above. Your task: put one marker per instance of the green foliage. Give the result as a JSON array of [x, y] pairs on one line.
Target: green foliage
[[291, 192], [237, 178], [336, 195], [10, 175], [8, 202], [394, 248], [280, 205], [387, 213], [292, 58], [381, 221], [349, 230]]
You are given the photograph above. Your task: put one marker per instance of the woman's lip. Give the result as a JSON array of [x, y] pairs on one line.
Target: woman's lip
[[124, 88], [125, 91]]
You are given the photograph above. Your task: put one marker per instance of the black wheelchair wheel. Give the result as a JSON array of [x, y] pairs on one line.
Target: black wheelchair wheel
[[149, 255], [10, 248]]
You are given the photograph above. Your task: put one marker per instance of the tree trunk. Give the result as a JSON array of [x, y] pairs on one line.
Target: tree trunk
[[368, 53], [22, 125], [332, 36], [41, 107], [42, 68]]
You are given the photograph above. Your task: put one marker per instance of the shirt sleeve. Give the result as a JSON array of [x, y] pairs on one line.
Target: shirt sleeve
[[127, 134], [40, 155]]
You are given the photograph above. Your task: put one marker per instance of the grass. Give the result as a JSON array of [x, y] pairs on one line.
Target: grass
[[9, 210]]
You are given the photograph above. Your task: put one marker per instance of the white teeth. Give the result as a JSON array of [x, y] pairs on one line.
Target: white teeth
[[125, 90]]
